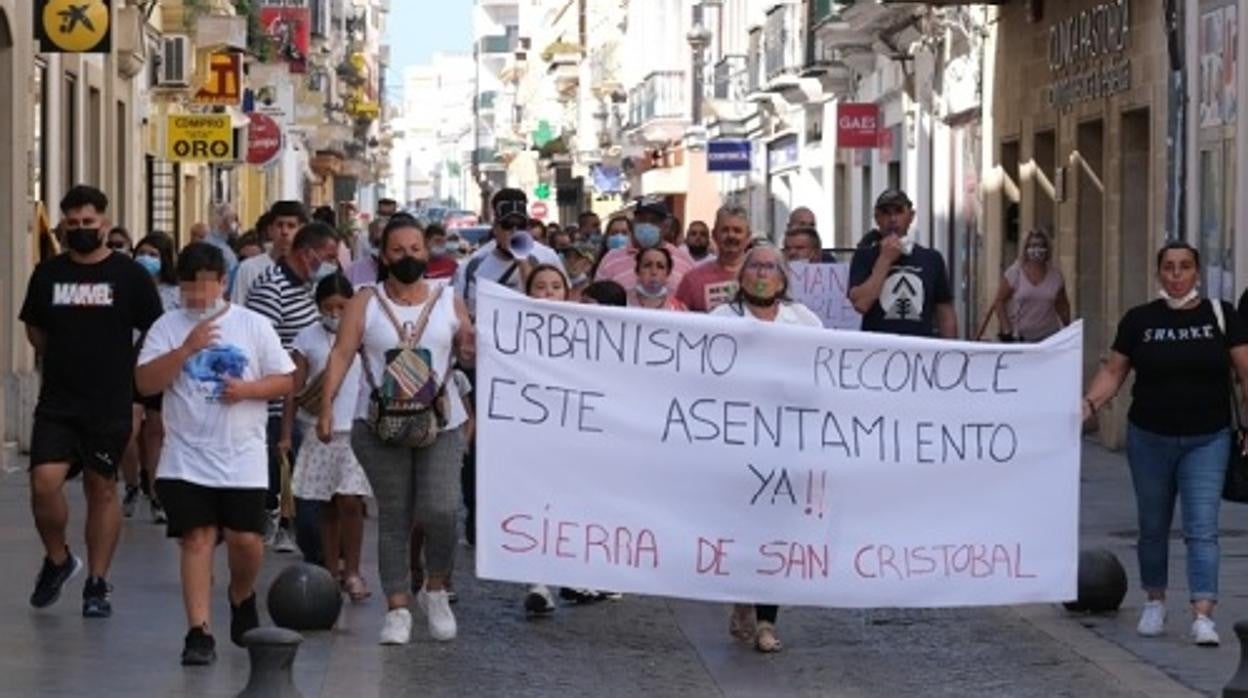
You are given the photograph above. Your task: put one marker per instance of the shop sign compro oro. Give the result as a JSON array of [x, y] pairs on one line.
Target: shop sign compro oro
[[1086, 55]]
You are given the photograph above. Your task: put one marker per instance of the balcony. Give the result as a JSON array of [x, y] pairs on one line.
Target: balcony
[[783, 56], [659, 107], [486, 100], [486, 159], [564, 66], [498, 45], [729, 98], [604, 69]]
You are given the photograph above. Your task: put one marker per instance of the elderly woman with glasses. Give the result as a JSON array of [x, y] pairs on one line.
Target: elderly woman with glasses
[[763, 296]]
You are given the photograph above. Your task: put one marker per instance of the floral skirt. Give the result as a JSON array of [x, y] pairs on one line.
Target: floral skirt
[[323, 470]]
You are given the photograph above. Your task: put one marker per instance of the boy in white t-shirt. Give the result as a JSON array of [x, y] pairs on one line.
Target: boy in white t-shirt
[[218, 365]]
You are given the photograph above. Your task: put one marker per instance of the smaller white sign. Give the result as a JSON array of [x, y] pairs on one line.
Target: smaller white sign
[[824, 288]]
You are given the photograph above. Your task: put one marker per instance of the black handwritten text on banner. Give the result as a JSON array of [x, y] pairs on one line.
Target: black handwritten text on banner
[[721, 459]]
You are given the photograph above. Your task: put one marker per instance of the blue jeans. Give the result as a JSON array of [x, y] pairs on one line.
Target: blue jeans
[[1193, 467]]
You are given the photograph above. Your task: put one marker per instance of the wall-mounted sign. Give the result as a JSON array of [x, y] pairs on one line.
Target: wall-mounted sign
[[857, 125], [1085, 55], [73, 26], [290, 32], [223, 82], [199, 138], [264, 139], [782, 153], [728, 156]]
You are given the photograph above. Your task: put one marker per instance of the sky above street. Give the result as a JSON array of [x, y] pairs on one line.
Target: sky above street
[[417, 29]]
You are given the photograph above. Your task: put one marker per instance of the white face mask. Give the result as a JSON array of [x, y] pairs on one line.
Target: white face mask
[[1178, 303], [1037, 253], [204, 313], [330, 323]]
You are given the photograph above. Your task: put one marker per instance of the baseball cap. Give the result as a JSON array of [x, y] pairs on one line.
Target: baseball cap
[[511, 203], [893, 198], [652, 205], [587, 250]]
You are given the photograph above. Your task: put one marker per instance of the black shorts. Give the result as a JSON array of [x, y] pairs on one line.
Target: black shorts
[[149, 402], [190, 506], [83, 443]]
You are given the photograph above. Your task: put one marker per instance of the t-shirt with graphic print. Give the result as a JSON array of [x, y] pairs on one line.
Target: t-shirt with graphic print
[[706, 287], [90, 314], [1182, 366], [916, 284], [207, 441]]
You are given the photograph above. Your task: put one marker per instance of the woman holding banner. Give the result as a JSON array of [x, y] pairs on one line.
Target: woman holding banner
[[1032, 302], [654, 269], [412, 456], [1181, 347], [763, 296]]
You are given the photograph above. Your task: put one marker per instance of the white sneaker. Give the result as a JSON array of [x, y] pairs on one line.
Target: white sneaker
[[437, 608], [271, 526], [397, 628], [1152, 619], [1203, 633], [539, 600], [283, 542]]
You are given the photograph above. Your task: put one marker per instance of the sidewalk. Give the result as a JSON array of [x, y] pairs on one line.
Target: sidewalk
[[1108, 520], [638, 646]]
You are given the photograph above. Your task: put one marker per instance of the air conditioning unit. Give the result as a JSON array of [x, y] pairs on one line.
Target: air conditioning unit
[[175, 66]]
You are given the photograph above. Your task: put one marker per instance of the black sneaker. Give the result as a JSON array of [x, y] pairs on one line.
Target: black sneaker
[[243, 617], [52, 578], [130, 502], [158, 511], [200, 649], [95, 603], [577, 596]]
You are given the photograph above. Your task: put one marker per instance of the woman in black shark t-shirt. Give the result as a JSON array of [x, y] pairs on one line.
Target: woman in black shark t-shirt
[[1178, 432]]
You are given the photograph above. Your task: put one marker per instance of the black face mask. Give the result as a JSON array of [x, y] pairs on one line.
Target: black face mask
[[699, 250], [408, 270], [83, 240]]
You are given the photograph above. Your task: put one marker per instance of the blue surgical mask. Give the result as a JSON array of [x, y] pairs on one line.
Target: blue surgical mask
[[647, 235], [437, 250], [617, 241], [652, 289], [150, 263]]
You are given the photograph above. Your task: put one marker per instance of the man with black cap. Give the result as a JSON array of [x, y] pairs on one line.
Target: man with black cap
[[649, 218], [507, 258], [899, 286]]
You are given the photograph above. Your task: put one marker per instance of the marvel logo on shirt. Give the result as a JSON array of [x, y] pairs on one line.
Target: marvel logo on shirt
[[81, 295], [90, 314]]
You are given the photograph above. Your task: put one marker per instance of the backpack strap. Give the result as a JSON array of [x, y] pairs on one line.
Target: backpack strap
[[421, 322], [1219, 313]]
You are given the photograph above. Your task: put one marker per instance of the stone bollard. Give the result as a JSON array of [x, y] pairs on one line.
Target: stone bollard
[[1238, 685], [272, 654]]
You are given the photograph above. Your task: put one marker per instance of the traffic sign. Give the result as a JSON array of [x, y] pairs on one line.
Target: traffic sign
[[264, 139], [73, 26], [539, 210], [199, 138]]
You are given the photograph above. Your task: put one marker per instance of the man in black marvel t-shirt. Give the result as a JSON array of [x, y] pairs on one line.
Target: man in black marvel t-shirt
[[900, 286], [82, 312]]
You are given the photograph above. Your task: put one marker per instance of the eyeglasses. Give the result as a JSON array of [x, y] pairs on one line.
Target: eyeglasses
[[760, 267]]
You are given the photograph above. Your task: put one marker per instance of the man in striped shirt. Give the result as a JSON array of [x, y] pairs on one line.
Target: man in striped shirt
[[285, 294]]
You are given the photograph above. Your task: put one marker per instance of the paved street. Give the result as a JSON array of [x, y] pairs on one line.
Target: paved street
[[638, 646]]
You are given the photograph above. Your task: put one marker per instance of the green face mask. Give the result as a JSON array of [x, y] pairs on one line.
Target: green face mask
[[760, 287]]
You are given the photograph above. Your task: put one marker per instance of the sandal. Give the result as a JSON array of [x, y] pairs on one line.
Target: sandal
[[765, 639], [741, 624], [355, 588]]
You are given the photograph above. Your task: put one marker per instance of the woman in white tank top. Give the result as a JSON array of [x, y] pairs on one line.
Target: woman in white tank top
[[410, 484]]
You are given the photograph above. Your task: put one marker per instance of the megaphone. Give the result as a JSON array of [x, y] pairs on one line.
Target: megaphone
[[522, 244]]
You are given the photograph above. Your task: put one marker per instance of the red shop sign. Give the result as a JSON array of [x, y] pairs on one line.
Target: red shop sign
[[264, 139], [857, 125]]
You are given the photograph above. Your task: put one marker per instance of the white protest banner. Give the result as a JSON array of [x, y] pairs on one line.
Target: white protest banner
[[824, 288], [726, 459]]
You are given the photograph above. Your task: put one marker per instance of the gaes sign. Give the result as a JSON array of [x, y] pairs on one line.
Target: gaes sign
[[73, 26], [199, 138], [857, 125]]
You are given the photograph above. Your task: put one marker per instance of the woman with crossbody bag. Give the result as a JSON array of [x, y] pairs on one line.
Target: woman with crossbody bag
[[408, 332]]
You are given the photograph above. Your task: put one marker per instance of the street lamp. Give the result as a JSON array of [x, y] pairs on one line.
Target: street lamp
[[699, 38]]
